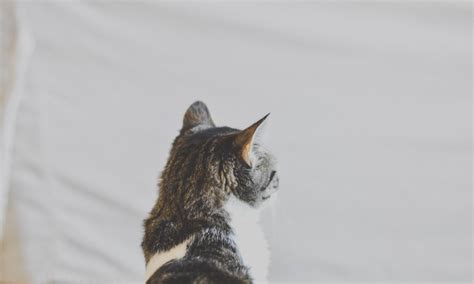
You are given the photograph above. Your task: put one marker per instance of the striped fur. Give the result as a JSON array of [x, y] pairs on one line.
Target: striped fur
[[209, 169]]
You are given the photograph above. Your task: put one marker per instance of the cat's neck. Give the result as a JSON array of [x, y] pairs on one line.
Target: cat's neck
[[249, 238]]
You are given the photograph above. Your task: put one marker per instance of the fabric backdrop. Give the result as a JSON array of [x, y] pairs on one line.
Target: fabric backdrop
[[370, 120]]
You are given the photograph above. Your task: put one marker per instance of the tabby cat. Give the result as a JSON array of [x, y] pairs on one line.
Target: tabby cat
[[203, 227]]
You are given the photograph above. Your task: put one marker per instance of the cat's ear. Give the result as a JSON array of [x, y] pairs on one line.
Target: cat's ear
[[197, 114], [244, 140]]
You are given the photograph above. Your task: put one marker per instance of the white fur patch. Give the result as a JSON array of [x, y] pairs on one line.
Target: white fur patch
[[249, 237], [162, 257]]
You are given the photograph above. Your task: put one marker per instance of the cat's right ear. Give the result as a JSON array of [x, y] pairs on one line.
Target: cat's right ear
[[244, 141], [197, 114]]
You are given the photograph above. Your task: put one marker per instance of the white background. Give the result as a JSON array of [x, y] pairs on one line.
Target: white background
[[370, 120]]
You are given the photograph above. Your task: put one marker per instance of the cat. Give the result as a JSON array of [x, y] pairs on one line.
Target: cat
[[203, 227]]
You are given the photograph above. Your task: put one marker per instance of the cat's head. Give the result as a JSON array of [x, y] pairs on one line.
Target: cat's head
[[208, 164]]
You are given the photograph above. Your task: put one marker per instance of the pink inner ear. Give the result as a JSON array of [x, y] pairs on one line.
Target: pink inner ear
[[246, 154], [244, 140]]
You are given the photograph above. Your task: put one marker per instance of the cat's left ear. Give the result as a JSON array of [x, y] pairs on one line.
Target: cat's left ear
[[244, 140], [197, 114]]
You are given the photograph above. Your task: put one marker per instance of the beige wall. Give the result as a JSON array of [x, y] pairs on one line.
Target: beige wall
[[11, 268], [11, 263]]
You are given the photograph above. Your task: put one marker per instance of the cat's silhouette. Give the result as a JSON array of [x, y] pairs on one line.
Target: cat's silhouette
[[203, 227]]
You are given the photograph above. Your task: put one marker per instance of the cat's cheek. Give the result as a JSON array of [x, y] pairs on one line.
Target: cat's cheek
[[271, 190]]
